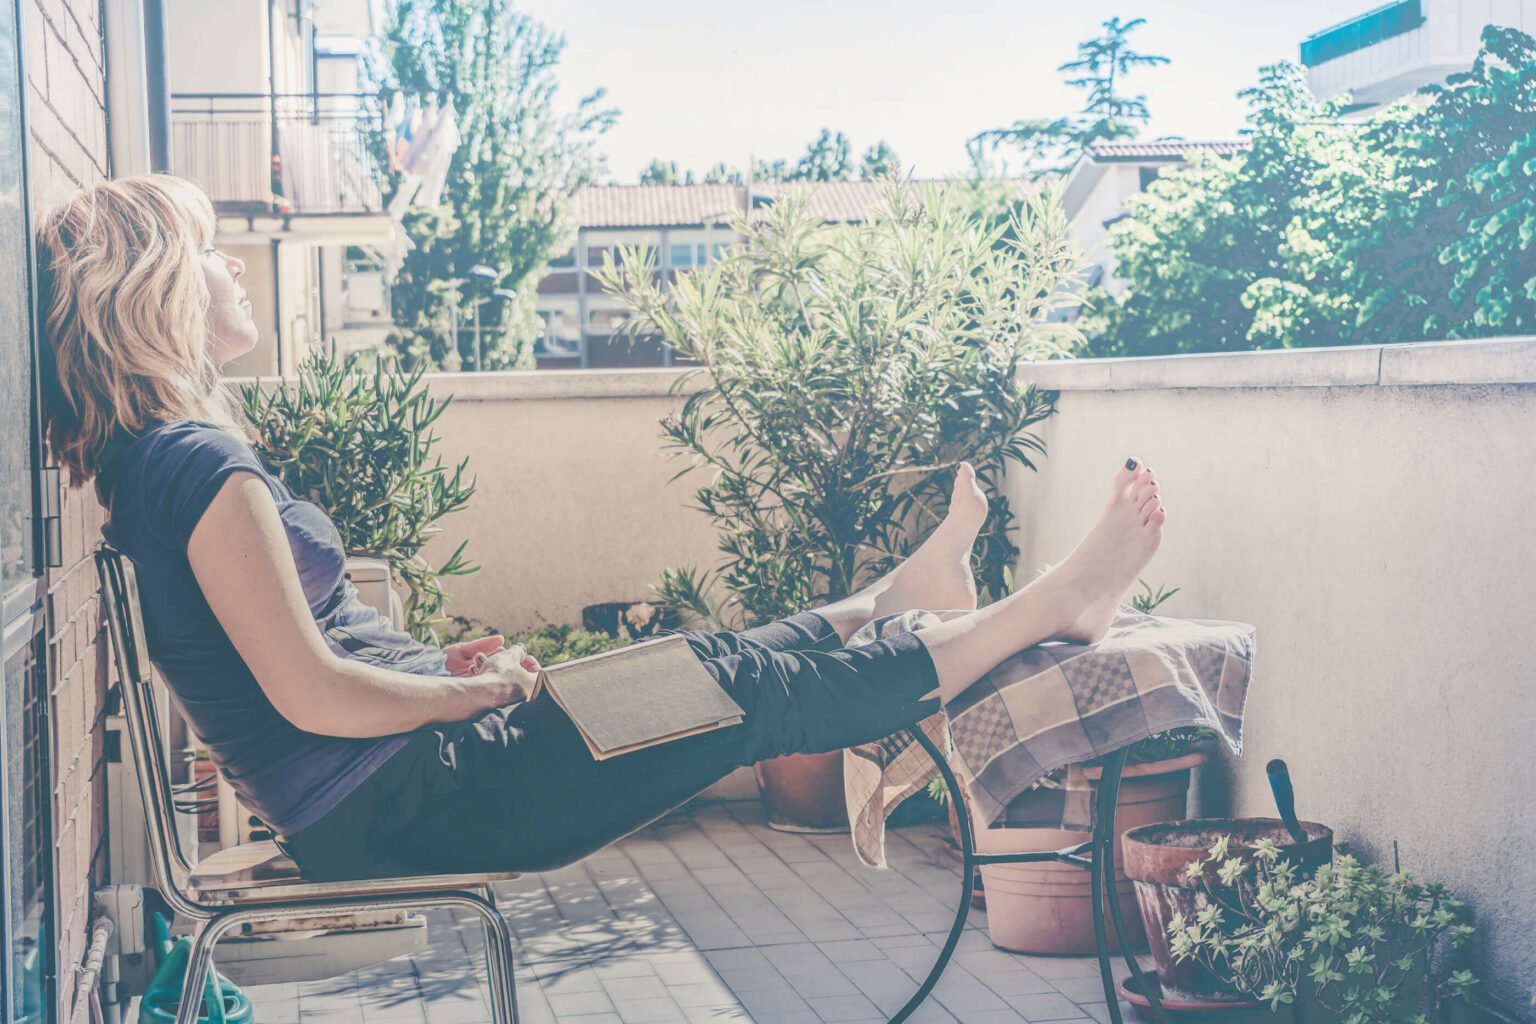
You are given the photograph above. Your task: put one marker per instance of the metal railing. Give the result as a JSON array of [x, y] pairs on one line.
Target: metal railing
[[1368, 29], [282, 153]]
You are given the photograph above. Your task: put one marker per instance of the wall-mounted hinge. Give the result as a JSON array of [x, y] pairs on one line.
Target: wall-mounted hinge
[[53, 511]]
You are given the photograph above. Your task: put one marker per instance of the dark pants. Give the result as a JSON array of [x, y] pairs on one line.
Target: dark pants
[[518, 790]]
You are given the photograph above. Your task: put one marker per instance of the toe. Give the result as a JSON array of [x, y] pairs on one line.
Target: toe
[[1128, 473], [1144, 488], [1159, 516], [1149, 506]]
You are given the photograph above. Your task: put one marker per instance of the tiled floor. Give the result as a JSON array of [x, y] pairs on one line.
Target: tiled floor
[[710, 916]]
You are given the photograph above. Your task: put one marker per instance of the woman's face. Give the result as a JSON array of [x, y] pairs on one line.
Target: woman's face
[[229, 311]]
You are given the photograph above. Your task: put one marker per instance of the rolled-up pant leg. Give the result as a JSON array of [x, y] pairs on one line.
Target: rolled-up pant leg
[[518, 790]]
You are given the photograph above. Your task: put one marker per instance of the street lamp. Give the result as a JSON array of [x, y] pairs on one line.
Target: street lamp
[[483, 273]]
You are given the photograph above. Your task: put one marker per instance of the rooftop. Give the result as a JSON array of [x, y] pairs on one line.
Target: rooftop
[[1160, 149], [634, 206]]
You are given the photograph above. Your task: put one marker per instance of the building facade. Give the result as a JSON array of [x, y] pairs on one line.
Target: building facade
[[684, 226], [1388, 52], [1095, 191], [53, 138], [268, 117]]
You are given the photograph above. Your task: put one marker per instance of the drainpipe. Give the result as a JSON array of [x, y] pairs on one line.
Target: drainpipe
[[157, 82]]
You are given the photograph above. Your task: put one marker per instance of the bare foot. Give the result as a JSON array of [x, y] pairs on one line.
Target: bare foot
[[1099, 572], [938, 574]]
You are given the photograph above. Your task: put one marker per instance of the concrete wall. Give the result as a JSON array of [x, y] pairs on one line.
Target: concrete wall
[[1368, 509], [573, 505], [223, 47]]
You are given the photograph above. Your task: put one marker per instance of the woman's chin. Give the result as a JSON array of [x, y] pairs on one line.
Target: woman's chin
[[224, 354]]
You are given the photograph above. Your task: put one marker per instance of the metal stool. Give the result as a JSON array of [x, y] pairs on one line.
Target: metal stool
[[1096, 856]]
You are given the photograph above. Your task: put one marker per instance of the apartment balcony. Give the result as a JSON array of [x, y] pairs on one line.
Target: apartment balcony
[[1390, 51], [1362, 507], [302, 167]]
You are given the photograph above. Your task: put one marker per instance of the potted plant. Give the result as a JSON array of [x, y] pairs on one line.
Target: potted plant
[[1166, 860], [1335, 940], [844, 370], [360, 446]]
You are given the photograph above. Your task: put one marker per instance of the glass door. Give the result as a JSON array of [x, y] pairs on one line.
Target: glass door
[[26, 967]]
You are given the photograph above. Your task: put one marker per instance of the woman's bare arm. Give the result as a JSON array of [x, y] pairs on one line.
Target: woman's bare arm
[[242, 561]]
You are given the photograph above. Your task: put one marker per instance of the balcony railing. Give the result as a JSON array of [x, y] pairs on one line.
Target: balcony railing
[[1368, 29], [286, 153]]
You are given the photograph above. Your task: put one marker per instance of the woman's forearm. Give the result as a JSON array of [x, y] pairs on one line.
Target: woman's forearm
[[354, 699]]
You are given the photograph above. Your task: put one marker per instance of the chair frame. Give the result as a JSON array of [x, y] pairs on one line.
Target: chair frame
[[284, 901]]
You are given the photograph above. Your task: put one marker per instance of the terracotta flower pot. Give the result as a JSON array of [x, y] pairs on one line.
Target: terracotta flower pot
[[804, 792], [1157, 857], [1048, 907]]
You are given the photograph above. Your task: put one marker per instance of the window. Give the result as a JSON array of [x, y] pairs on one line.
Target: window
[[604, 321], [683, 255], [564, 261], [595, 255], [721, 249], [1149, 175]]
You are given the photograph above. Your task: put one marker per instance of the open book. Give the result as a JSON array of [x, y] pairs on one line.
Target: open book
[[639, 696]]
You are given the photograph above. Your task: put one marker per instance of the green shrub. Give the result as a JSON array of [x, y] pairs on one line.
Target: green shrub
[[1369, 946], [360, 447], [846, 371], [549, 644]]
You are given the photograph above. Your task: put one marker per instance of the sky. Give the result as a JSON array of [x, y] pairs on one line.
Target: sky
[[701, 81]]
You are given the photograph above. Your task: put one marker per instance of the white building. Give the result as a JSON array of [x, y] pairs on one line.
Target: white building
[[268, 116], [1389, 51], [1108, 173]]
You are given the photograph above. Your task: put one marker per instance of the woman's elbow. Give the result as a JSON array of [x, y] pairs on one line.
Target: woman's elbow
[[306, 707]]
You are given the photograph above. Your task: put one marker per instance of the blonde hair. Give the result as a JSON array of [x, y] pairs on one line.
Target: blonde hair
[[125, 312]]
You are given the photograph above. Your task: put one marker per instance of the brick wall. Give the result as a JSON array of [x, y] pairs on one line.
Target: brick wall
[[67, 113]]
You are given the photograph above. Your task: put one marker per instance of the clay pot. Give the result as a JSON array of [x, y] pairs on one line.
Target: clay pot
[[1157, 857], [804, 792], [1047, 907]]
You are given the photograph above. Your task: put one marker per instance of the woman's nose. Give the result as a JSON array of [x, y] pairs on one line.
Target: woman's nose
[[236, 267]]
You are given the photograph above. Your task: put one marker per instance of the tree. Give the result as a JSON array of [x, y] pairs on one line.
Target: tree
[[1051, 145], [1198, 238], [879, 161], [659, 173], [1419, 224], [828, 157], [506, 202]]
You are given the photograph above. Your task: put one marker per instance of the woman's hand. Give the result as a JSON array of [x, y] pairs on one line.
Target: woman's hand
[[469, 658], [511, 672]]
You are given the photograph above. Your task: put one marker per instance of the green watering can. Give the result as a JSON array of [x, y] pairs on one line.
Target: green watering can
[[223, 1001]]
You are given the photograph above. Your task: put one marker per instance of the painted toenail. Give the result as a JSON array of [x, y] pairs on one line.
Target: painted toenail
[[1130, 463]]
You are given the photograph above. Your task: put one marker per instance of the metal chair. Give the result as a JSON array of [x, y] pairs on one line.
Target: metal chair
[[255, 881]]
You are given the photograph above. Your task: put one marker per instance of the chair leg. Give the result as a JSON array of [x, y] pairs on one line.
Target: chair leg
[[498, 959], [199, 970]]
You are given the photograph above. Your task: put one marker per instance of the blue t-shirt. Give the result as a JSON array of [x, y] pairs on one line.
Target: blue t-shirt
[[156, 488]]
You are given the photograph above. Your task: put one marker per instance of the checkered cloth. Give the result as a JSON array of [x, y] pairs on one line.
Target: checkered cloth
[[1052, 705]]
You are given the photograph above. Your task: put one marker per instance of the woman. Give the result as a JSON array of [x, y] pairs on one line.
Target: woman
[[369, 753]]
